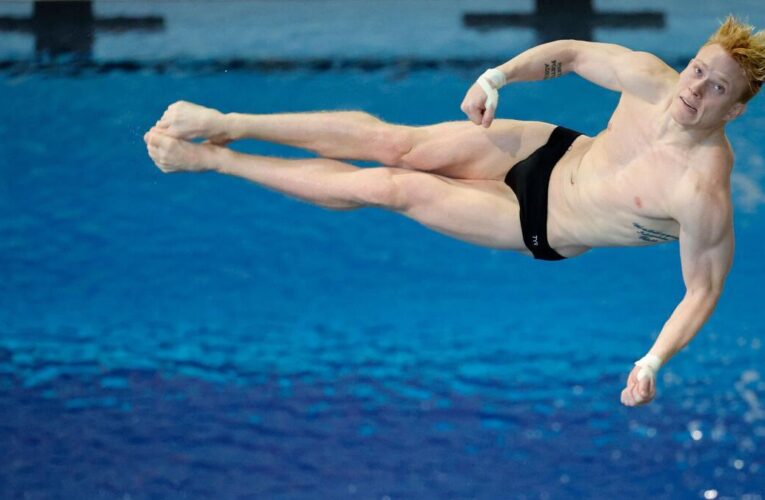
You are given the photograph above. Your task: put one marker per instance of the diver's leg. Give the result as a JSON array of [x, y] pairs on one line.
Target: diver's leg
[[457, 149], [349, 135], [325, 182], [480, 212], [463, 150]]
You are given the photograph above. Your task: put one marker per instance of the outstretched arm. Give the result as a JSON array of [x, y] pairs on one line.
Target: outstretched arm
[[706, 254], [611, 66], [608, 65]]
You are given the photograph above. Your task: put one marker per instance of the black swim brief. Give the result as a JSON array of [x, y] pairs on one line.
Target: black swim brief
[[530, 179]]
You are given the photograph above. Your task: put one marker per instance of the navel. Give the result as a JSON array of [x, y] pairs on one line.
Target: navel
[[571, 177], [638, 203]]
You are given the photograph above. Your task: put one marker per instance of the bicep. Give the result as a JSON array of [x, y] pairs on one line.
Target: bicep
[[705, 266], [597, 62], [706, 249], [623, 70]]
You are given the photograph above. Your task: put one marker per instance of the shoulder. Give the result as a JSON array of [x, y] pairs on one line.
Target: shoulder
[[645, 76], [701, 201], [646, 62]]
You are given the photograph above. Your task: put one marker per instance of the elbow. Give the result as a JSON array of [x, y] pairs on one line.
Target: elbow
[[570, 50], [706, 296], [564, 50]]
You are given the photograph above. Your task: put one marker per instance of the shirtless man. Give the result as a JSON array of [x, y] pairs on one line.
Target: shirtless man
[[659, 172]]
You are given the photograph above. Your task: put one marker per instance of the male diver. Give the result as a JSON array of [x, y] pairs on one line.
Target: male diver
[[659, 172]]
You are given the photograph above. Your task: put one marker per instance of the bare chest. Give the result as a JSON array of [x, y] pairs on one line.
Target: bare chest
[[619, 194], [619, 188]]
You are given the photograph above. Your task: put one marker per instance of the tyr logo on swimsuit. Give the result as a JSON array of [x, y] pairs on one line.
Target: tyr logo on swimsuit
[[535, 240]]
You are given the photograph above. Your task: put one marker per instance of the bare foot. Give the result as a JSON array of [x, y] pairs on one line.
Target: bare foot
[[175, 155], [186, 120]]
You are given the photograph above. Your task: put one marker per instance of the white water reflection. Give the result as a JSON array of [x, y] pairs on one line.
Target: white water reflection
[[746, 179], [747, 193]]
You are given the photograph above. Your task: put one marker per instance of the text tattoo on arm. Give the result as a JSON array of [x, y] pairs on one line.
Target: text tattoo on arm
[[553, 69], [651, 235]]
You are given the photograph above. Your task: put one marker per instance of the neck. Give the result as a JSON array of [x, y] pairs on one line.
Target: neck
[[675, 133]]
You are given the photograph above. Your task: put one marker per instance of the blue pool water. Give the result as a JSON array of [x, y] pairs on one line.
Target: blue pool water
[[195, 336]]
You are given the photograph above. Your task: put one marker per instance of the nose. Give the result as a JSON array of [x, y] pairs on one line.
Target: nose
[[695, 88]]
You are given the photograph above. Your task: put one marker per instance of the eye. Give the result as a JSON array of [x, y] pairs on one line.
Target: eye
[[697, 70], [719, 88]]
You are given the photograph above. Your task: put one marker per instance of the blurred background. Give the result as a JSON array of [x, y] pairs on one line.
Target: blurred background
[[195, 336]]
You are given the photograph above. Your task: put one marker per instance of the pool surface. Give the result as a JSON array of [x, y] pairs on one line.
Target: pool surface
[[195, 336]]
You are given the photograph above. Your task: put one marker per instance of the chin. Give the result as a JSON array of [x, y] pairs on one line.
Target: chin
[[680, 116]]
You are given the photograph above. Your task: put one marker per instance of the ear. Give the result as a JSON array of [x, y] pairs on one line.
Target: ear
[[736, 110]]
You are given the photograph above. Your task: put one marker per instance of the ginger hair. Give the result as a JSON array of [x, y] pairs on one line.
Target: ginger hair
[[747, 48]]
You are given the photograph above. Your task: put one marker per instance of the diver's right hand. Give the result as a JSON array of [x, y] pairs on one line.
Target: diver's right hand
[[186, 120], [476, 106]]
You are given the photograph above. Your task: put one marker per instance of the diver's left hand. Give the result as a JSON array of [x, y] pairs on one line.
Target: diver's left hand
[[638, 393], [479, 107]]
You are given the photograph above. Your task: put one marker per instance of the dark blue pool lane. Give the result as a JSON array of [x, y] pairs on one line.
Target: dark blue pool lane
[[194, 336]]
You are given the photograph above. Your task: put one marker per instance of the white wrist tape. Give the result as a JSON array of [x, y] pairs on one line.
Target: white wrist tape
[[495, 77], [491, 80], [649, 366]]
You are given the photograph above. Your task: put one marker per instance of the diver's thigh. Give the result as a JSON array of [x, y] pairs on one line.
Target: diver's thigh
[[463, 150], [482, 212]]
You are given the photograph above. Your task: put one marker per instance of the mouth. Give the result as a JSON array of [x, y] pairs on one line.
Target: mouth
[[688, 105]]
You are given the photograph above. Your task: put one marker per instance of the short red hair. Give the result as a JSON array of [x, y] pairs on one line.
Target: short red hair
[[746, 47]]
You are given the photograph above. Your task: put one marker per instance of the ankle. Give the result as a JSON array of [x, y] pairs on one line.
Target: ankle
[[230, 126], [219, 159]]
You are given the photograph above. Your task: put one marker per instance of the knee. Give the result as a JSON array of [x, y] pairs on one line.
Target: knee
[[384, 188], [393, 143]]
